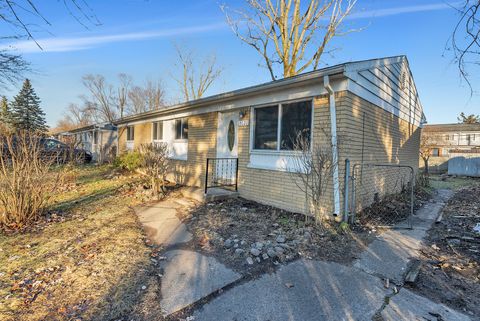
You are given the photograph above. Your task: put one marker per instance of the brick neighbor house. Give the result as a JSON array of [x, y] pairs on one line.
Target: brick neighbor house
[[366, 111]]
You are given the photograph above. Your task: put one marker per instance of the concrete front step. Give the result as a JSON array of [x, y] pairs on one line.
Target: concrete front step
[[213, 194]]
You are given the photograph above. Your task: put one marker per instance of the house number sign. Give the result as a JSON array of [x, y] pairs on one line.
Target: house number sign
[[243, 123]]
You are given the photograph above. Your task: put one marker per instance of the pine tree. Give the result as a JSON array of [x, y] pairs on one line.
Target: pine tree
[[4, 112], [26, 113]]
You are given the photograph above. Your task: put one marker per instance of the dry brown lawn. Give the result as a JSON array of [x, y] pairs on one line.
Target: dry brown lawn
[[86, 260]]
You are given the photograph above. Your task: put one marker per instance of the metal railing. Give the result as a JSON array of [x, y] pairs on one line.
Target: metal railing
[[221, 172]]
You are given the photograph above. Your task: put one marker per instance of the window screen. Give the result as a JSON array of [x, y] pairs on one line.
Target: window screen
[[130, 133], [181, 128]]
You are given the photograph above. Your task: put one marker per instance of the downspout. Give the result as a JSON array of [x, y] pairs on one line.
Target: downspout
[[333, 129]]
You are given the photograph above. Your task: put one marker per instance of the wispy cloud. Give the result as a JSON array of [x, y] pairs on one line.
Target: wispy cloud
[[64, 44], [401, 10]]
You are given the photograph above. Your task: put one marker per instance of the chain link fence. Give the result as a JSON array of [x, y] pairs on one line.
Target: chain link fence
[[383, 195]]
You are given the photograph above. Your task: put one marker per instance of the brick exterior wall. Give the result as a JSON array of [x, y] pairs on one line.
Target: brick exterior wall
[[387, 139]]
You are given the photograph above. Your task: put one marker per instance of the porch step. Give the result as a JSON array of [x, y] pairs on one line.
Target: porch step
[[214, 194]]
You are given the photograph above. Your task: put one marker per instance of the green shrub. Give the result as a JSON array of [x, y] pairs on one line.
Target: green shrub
[[129, 161]]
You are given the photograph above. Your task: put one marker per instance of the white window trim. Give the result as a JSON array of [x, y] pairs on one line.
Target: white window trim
[[275, 160], [278, 150]]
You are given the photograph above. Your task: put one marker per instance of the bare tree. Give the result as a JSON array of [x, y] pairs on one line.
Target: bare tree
[[102, 94], [155, 95], [311, 169], [27, 179], [22, 18], [426, 150], [465, 39], [155, 163], [290, 33], [137, 98], [125, 81], [146, 98], [196, 76], [468, 119], [12, 68]]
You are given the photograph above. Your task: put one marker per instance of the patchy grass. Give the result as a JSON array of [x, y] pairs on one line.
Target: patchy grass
[[86, 260], [451, 182]]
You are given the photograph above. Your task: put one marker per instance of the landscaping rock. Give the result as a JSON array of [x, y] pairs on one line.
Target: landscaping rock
[[228, 243], [239, 252], [255, 252], [271, 253], [281, 239], [249, 260]]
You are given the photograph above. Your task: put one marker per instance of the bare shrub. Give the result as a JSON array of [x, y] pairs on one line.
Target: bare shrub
[[311, 169], [28, 179], [155, 163]]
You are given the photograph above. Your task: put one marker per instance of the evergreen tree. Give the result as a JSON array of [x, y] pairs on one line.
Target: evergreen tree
[[4, 112], [26, 113]]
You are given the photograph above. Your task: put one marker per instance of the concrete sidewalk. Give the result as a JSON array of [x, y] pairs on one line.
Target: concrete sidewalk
[[303, 290], [315, 290]]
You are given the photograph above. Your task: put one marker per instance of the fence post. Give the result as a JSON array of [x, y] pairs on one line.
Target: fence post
[[206, 177], [236, 175], [345, 186]]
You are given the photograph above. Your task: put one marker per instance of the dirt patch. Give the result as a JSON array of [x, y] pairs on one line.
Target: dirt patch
[[252, 238], [450, 271]]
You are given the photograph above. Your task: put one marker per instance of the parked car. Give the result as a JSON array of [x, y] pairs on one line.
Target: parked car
[[61, 152]]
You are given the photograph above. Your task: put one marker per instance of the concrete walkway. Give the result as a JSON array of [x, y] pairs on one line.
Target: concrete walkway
[[388, 256], [302, 290], [188, 276]]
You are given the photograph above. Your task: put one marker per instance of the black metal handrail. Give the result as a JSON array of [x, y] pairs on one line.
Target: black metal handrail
[[221, 172]]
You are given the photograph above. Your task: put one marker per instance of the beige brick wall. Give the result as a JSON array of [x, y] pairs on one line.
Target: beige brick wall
[[278, 188], [386, 139]]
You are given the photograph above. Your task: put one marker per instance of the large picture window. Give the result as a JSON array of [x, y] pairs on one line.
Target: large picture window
[[130, 133], [157, 130], [279, 127], [181, 128]]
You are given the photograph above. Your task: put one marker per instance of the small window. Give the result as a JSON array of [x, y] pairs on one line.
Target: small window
[[435, 152], [181, 128], [157, 130], [231, 135], [95, 137], [447, 137], [130, 133]]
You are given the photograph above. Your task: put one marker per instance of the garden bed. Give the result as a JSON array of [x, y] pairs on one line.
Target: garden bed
[[253, 238]]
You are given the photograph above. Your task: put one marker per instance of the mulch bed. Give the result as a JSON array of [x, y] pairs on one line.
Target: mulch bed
[[252, 238], [450, 271]]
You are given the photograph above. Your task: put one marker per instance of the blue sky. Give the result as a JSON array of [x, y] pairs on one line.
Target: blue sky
[[137, 36]]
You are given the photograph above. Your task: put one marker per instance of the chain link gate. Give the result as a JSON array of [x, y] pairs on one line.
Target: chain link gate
[[382, 195]]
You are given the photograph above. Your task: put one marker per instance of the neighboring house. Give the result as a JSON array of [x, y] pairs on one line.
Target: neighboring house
[[99, 139], [369, 109], [448, 140]]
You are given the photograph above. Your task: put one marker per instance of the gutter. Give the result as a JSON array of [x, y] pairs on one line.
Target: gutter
[[333, 129]]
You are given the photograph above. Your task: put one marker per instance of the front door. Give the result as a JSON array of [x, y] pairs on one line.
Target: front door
[[227, 135], [227, 148]]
